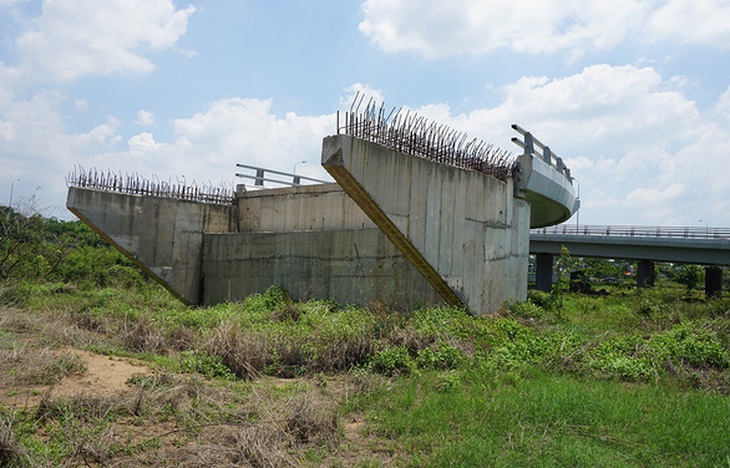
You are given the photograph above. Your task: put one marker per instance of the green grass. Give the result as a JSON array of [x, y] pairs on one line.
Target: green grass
[[550, 420], [634, 378]]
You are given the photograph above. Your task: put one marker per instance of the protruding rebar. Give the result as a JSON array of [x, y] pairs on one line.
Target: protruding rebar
[[134, 184], [412, 134]]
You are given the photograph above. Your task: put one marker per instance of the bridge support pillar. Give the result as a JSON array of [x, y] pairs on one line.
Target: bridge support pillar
[[544, 272], [646, 274], [713, 281]]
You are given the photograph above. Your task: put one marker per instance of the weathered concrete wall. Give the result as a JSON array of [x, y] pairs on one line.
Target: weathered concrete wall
[[463, 230], [305, 208], [357, 266], [164, 236], [315, 242]]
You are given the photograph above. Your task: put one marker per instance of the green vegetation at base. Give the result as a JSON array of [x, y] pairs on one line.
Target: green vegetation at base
[[627, 378], [633, 378], [543, 419]]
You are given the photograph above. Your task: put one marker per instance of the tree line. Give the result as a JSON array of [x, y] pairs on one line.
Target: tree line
[[38, 248]]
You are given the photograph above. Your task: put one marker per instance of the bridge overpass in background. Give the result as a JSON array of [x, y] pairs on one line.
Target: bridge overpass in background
[[709, 246]]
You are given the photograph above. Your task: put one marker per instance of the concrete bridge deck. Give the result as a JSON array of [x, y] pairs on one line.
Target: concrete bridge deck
[[709, 246], [678, 244]]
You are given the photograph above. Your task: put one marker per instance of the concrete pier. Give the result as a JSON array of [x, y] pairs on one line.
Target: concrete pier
[[162, 236], [713, 281], [646, 274], [544, 272]]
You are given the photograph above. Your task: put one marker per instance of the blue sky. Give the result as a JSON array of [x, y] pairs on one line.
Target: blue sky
[[633, 94]]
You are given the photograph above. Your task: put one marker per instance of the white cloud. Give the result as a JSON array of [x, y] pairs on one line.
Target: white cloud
[[722, 108], [246, 131], [208, 145], [73, 38], [145, 118], [603, 109], [641, 150], [143, 144], [649, 196], [433, 28], [205, 148], [36, 147], [703, 22], [362, 91]]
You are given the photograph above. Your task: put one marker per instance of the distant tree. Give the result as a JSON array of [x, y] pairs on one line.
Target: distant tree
[[33, 247], [601, 268], [689, 275]]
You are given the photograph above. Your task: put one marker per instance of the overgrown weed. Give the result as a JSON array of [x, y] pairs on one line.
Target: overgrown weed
[[518, 374]]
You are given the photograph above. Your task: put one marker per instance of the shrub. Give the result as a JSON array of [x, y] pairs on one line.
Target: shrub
[[685, 344], [345, 353], [205, 364], [392, 361], [275, 297], [527, 309], [444, 356], [689, 276], [12, 452]]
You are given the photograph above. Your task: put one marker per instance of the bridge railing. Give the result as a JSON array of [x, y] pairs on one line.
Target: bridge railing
[[533, 146], [676, 232], [261, 176]]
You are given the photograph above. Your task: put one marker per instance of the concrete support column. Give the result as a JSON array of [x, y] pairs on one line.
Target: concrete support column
[[646, 274], [713, 281], [544, 272]]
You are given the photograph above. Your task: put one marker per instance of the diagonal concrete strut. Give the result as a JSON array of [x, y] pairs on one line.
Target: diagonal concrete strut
[[334, 165], [462, 230]]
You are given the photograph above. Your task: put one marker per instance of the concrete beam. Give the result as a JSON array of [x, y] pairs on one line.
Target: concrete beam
[[679, 250], [464, 231], [549, 192]]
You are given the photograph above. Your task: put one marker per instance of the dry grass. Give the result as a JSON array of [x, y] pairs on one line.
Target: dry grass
[[345, 354], [12, 453], [22, 365], [246, 354], [143, 336], [168, 419], [410, 339]]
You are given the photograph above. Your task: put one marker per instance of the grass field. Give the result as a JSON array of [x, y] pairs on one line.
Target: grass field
[[633, 378]]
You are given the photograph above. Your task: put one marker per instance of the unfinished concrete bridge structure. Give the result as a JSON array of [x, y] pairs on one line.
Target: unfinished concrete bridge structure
[[418, 215]]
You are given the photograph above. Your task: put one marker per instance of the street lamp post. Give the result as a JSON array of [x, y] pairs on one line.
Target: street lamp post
[[297, 180], [707, 228], [12, 186]]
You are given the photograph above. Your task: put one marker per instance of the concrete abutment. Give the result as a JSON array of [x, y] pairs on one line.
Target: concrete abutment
[[397, 229]]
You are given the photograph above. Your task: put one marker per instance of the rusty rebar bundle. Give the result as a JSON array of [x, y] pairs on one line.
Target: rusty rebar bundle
[[136, 185], [412, 134]]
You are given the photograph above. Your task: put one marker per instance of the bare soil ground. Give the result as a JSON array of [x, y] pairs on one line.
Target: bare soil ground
[[104, 376]]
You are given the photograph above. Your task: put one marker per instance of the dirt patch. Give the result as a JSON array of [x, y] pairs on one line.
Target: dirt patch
[[104, 376]]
